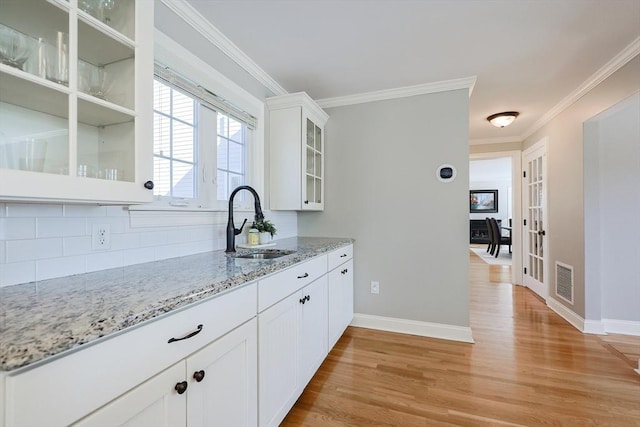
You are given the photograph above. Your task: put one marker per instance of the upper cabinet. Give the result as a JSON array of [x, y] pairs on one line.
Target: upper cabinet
[[76, 100], [296, 153]]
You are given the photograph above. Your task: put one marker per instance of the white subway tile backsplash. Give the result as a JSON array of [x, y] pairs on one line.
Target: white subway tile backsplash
[[17, 272], [84, 211], [60, 267], [104, 260], [153, 238], [33, 249], [76, 245], [116, 224], [17, 228], [125, 241], [33, 210], [42, 241], [138, 256], [117, 211], [61, 227], [178, 236]]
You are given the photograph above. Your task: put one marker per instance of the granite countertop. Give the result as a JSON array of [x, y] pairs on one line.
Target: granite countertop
[[42, 319]]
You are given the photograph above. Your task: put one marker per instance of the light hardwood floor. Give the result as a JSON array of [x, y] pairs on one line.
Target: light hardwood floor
[[528, 367]]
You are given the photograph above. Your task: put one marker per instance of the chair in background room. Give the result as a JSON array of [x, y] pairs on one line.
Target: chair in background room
[[490, 247], [498, 238]]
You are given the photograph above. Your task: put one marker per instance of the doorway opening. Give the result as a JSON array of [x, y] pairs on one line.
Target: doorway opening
[[494, 178]]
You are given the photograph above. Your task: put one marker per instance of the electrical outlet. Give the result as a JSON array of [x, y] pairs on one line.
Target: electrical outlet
[[101, 237], [375, 287]]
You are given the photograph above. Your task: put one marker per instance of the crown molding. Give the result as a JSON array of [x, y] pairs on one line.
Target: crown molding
[[401, 92], [498, 140], [192, 17], [617, 62]]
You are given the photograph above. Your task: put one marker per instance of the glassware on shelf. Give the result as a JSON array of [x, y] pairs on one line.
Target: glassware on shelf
[[105, 10], [57, 59], [92, 79], [100, 9], [15, 47]]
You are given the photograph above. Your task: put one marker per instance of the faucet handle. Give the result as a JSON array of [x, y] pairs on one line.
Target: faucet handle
[[239, 230]]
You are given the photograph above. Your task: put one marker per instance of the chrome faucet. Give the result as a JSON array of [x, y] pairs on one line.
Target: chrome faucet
[[232, 231]]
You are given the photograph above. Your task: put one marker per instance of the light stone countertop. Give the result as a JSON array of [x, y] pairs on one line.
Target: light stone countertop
[[43, 319]]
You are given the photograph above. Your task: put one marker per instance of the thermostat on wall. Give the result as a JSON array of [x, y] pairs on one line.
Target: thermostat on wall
[[446, 173]]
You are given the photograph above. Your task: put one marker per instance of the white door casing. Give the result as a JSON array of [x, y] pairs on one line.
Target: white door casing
[[535, 246]]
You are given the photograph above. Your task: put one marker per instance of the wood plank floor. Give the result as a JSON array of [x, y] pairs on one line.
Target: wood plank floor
[[528, 367]]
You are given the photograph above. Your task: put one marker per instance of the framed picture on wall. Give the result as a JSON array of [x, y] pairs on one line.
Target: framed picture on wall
[[483, 201]]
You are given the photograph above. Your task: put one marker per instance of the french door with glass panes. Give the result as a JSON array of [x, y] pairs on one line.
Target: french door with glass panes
[[534, 216]]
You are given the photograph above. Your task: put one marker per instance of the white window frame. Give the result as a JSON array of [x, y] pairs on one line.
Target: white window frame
[[181, 61]]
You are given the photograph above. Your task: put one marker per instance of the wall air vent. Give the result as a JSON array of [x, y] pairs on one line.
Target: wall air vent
[[564, 282]]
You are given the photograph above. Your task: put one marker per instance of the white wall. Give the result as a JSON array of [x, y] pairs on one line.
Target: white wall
[[411, 230], [565, 174], [612, 213]]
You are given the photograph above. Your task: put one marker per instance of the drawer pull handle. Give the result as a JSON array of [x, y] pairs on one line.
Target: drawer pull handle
[[181, 387], [198, 375], [344, 271], [304, 299], [308, 297], [192, 334], [343, 255], [305, 275]]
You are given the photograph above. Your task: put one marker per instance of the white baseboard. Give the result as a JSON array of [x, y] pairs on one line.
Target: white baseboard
[[625, 327], [413, 327], [567, 314], [597, 327]]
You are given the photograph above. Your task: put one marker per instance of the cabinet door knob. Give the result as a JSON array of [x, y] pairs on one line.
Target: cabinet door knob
[[198, 375], [181, 387], [148, 185], [306, 202]]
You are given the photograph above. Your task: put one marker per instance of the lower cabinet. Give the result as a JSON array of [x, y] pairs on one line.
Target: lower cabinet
[[340, 300], [216, 386], [292, 345]]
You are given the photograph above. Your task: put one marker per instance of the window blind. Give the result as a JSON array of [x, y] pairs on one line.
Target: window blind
[[203, 95]]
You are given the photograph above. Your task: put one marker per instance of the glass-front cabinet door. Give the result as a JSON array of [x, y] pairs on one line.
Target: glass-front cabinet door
[[313, 197], [75, 100]]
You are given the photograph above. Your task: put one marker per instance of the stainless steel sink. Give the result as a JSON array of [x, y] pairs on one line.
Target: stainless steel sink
[[262, 255]]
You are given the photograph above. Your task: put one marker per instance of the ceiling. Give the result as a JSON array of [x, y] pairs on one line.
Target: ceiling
[[528, 55]]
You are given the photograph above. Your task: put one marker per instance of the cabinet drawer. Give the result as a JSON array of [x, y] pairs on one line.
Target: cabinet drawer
[[68, 388], [340, 256], [274, 288]]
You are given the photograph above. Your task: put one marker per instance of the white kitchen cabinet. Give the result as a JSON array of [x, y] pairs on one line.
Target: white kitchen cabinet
[[107, 370], [154, 403], [296, 152], [227, 394], [76, 101], [216, 386], [340, 301], [292, 345]]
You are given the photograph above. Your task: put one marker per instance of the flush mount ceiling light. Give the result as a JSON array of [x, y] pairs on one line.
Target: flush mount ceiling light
[[501, 120]]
